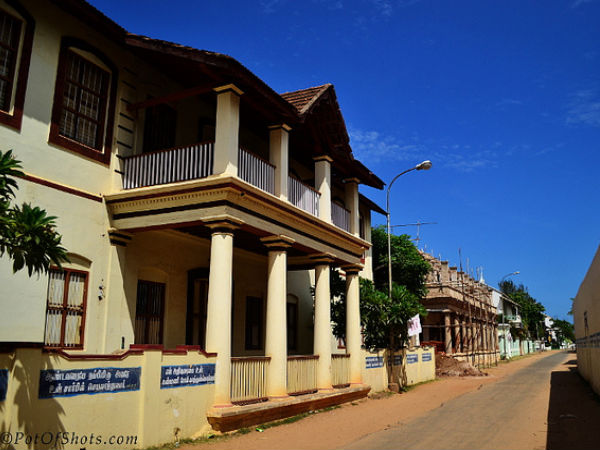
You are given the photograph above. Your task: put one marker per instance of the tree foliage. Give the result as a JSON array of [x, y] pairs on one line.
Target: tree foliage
[[532, 311], [409, 269], [28, 235], [385, 320], [564, 330]]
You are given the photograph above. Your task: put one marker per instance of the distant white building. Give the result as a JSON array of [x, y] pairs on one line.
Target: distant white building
[[508, 315]]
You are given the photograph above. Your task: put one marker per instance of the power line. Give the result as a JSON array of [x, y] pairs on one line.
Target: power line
[[418, 225]]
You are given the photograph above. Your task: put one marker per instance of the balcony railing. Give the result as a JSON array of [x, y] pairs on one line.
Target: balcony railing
[[168, 166], [340, 216], [249, 379], [340, 370], [256, 171], [303, 196], [302, 374]]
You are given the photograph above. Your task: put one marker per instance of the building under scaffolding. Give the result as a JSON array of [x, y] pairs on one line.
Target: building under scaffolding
[[461, 315]]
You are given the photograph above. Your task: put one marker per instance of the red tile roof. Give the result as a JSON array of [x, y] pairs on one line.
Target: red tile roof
[[303, 99]]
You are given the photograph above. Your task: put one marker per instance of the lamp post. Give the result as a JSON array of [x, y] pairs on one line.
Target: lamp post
[[425, 165], [516, 272]]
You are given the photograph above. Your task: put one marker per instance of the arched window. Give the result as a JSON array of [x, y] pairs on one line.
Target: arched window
[[84, 100], [16, 40]]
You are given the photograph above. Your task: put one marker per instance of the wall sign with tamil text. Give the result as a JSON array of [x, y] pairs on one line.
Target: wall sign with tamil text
[[425, 357], [186, 375], [412, 359], [373, 362], [101, 380]]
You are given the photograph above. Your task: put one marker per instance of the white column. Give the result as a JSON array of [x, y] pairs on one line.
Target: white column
[[323, 185], [353, 324], [279, 157], [227, 130], [322, 332], [351, 193], [218, 320], [276, 329]]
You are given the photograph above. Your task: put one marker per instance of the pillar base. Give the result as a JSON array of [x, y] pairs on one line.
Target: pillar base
[[325, 390], [223, 405]]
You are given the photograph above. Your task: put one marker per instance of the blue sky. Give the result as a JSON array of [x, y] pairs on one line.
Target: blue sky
[[503, 97]]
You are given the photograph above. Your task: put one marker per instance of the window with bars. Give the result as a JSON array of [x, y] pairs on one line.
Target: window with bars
[[85, 93], [65, 312], [10, 36], [84, 101], [149, 312]]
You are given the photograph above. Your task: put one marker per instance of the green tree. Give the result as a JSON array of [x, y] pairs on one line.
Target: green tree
[[28, 235], [409, 269], [564, 330], [384, 318], [532, 311]]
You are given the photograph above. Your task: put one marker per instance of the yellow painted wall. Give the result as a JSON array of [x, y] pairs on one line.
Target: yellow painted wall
[[416, 372], [587, 305], [151, 414], [82, 222]]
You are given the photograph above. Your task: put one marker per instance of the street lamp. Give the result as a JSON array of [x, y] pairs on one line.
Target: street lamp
[[516, 272], [425, 165]]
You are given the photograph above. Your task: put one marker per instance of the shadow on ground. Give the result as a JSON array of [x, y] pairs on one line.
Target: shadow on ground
[[574, 411]]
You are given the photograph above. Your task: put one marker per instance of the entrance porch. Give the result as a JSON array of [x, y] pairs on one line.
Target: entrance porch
[[247, 297]]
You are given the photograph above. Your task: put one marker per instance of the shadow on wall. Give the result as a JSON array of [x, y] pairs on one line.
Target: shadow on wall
[[573, 412], [27, 415]]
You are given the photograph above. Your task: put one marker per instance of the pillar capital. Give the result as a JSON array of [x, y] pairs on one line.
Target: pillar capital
[[228, 88], [280, 126], [277, 242], [223, 224], [322, 258], [351, 180], [118, 237], [352, 269], [327, 158]]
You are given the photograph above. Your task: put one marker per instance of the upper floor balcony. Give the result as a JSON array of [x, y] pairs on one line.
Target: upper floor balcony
[[256, 153]]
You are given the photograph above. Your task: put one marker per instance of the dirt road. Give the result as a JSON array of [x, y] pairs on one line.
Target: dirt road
[[534, 403]]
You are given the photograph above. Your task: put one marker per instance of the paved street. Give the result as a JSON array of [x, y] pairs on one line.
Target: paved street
[[541, 406], [538, 402]]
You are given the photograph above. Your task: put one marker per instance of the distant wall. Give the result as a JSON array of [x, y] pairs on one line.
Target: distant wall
[[419, 364], [586, 315]]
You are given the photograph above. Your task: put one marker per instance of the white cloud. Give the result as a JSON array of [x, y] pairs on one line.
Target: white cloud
[[577, 3], [584, 108], [386, 8], [373, 148], [269, 6], [509, 102]]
